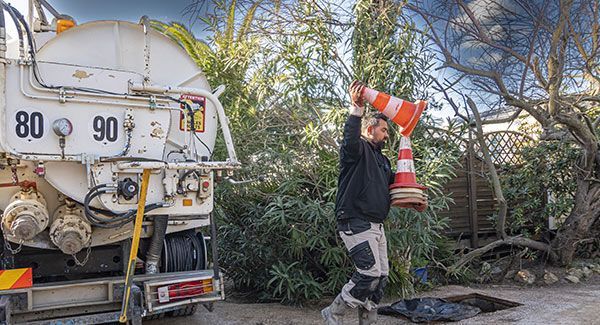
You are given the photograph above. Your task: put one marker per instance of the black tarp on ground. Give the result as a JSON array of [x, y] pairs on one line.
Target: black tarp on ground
[[421, 310]]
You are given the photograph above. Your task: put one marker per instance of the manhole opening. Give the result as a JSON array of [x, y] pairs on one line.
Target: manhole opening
[[487, 304]]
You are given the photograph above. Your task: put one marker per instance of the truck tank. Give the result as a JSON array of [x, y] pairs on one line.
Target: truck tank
[[71, 118], [82, 113]]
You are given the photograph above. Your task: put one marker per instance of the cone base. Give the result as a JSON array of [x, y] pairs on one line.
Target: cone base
[[406, 190], [419, 204], [421, 105], [407, 195]]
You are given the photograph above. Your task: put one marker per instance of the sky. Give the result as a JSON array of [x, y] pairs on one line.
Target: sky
[[132, 10], [129, 10]]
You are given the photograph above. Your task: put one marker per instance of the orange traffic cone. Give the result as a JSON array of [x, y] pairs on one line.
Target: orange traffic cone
[[405, 172], [401, 112], [406, 192]]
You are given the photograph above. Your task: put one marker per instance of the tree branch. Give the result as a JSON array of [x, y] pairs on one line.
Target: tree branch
[[502, 208], [513, 241]]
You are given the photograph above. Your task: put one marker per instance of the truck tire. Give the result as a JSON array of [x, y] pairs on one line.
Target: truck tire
[[185, 311]]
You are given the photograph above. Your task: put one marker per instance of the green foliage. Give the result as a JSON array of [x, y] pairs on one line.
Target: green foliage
[[542, 187], [285, 68], [383, 47]]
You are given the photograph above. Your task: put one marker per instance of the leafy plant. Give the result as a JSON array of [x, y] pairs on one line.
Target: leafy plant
[[542, 187]]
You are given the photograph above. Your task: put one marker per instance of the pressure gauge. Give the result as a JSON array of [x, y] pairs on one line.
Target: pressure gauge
[[62, 127]]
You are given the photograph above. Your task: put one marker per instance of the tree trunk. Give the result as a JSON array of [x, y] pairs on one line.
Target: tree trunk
[[577, 226]]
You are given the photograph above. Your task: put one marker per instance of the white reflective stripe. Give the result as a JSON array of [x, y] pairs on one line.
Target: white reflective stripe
[[369, 94], [404, 143], [405, 166], [391, 109], [416, 110]]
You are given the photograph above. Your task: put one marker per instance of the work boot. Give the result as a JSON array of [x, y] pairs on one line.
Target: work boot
[[367, 317], [334, 313]]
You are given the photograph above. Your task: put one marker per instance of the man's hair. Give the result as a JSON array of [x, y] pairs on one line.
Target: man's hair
[[372, 119]]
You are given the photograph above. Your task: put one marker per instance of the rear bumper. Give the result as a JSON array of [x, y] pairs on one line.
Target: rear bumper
[[82, 300]]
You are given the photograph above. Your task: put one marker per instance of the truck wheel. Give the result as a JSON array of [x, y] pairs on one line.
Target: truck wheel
[[185, 311]]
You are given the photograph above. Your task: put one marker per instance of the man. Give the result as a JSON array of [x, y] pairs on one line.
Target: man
[[362, 204]]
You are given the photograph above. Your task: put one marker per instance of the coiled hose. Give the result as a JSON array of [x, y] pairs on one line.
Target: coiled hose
[[183, 251]]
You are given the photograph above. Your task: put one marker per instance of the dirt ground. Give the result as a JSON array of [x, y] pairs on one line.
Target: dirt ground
[[561, 303]]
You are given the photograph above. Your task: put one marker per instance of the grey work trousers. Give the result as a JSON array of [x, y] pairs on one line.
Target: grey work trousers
[[368, 251]]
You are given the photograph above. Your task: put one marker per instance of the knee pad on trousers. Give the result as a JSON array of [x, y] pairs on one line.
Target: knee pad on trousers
[[364, 286], [378, 295]]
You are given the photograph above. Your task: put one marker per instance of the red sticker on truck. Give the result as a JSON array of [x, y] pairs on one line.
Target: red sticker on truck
[[198, 107]]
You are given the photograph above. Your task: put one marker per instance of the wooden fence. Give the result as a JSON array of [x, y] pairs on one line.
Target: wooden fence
[[472, 214]]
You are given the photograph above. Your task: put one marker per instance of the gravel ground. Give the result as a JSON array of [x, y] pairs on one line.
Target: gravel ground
[[557, 304]]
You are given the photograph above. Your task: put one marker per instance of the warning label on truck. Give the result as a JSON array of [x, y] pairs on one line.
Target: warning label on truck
[[16, 278], [195, 109]]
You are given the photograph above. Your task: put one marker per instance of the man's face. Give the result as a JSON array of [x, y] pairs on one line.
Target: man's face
[[378, 133]]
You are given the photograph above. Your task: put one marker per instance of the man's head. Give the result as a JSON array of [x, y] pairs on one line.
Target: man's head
[[375, 128]]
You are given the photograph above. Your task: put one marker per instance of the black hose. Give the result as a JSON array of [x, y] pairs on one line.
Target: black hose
[[23, 22], [156, 243], [13, 15], [193, 126], [32, 46], [183, 252], [213, 245], [116, 219], [2, 22]]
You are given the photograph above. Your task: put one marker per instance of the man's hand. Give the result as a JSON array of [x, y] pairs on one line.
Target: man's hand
[[355, 91]]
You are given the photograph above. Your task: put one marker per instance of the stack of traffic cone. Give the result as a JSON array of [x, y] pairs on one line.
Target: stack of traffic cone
[[406, 192], [401, 112]]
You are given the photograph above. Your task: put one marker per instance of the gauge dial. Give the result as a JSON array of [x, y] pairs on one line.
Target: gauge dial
[[62, 127]]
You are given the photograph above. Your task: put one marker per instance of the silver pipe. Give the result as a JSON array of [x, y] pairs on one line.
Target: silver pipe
[[178, 165], [75, 93], [49, 8], [30, 13], [90, 101]]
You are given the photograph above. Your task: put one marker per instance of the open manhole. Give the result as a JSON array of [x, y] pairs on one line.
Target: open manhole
[[487, 304]]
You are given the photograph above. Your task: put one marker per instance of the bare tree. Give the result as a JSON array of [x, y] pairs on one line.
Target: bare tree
[[541, 57]]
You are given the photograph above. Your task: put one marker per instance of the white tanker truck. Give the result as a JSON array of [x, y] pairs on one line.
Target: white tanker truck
[[84, 111]]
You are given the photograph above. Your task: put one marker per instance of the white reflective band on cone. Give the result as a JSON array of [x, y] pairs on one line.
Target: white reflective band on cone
[[404, 143], [405, 166], [370, 95], [392, 108]]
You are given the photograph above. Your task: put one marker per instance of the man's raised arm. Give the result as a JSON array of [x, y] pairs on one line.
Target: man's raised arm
[[351, 144]]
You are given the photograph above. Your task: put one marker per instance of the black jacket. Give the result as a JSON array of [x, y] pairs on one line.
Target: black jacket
[[365, 176]]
